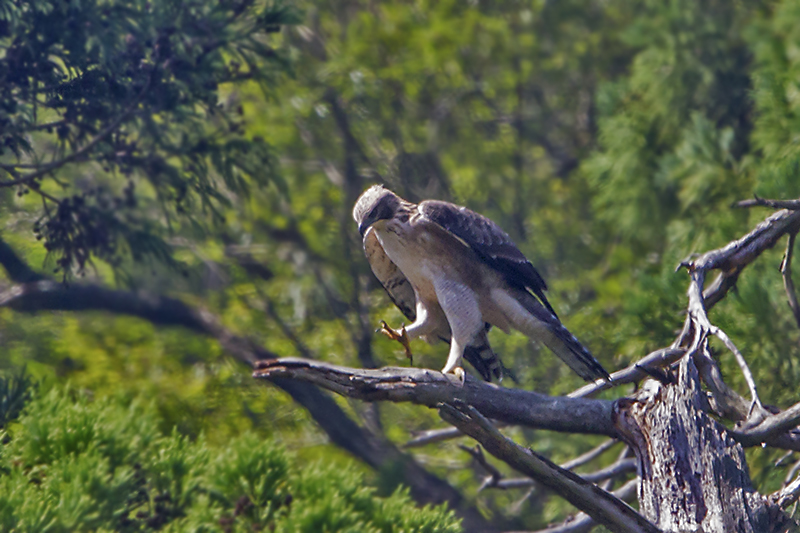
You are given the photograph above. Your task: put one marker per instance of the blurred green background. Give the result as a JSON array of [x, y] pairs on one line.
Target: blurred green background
[[608, 138]]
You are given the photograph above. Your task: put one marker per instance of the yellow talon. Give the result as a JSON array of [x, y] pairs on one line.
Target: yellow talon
[[399, 336]]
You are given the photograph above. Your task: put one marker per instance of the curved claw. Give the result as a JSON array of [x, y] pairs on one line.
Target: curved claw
[[399, 336]]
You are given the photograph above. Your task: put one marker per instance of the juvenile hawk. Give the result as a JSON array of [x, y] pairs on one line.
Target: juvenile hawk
[[455, 273]]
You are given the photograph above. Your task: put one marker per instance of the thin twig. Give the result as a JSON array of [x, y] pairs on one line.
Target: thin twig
[[591, 455], [634, 372], [788, 284], [494, 474], [782, 458], [623, 466], [791, 473], [743, 366], [431, 436]]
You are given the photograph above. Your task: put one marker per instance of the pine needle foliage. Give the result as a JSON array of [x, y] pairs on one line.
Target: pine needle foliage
[[73, 464]]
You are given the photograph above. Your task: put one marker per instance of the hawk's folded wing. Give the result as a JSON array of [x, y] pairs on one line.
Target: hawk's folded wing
[[490, 243]]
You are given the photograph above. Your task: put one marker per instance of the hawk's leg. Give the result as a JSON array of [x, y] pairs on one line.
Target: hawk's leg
[[460, 305], [399, 336]]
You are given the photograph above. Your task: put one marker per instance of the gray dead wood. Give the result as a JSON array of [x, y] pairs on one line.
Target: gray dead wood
[[430, 388], [694, 474]]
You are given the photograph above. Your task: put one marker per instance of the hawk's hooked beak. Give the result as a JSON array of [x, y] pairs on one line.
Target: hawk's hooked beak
[[363, 227]]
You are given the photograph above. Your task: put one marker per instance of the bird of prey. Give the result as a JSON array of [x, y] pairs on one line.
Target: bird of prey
[[455, 273]]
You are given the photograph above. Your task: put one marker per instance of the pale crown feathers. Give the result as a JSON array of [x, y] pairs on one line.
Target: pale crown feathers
[[376, 203]]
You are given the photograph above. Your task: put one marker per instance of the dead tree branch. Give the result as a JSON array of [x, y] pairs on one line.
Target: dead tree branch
[[730, 260], [623, 466], [583, 523], [775, 204], [787, 495], [430, 388], [635, 372], [431, 436], [770, 427], [605, 508]]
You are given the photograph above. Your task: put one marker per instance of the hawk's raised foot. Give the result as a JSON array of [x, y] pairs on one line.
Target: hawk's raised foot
[[399, 336]]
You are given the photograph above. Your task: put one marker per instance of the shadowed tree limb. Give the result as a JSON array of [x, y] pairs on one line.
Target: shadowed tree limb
[[605, 508], [583, 523], [430, 387], [16, 268]]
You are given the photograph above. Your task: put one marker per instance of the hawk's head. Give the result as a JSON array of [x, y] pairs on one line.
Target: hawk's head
[[374, 204]]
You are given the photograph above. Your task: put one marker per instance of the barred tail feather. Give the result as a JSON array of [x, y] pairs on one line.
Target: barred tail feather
[[480, 355]]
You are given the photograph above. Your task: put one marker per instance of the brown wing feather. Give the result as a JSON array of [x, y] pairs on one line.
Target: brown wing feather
[[490, 242]]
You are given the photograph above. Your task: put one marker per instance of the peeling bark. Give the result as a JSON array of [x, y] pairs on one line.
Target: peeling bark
[[694, 476]]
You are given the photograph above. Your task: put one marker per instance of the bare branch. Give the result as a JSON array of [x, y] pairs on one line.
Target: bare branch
[[494, 474], [635, 372], [788, 284], [792, 472], [775, 204], [605, 508], [731, 258], [771, 426], [591, 455], [787, 495], [736, 255], [623, 466], [431, 436], [429, 387]]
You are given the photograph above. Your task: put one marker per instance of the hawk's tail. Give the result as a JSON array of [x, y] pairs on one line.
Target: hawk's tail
[[480, 355], [539, 324], [571, 351]]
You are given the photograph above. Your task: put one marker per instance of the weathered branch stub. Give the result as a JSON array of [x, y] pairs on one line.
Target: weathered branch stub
[[694, 476]]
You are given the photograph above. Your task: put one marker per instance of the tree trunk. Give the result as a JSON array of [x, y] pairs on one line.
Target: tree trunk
[[694, 476]]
